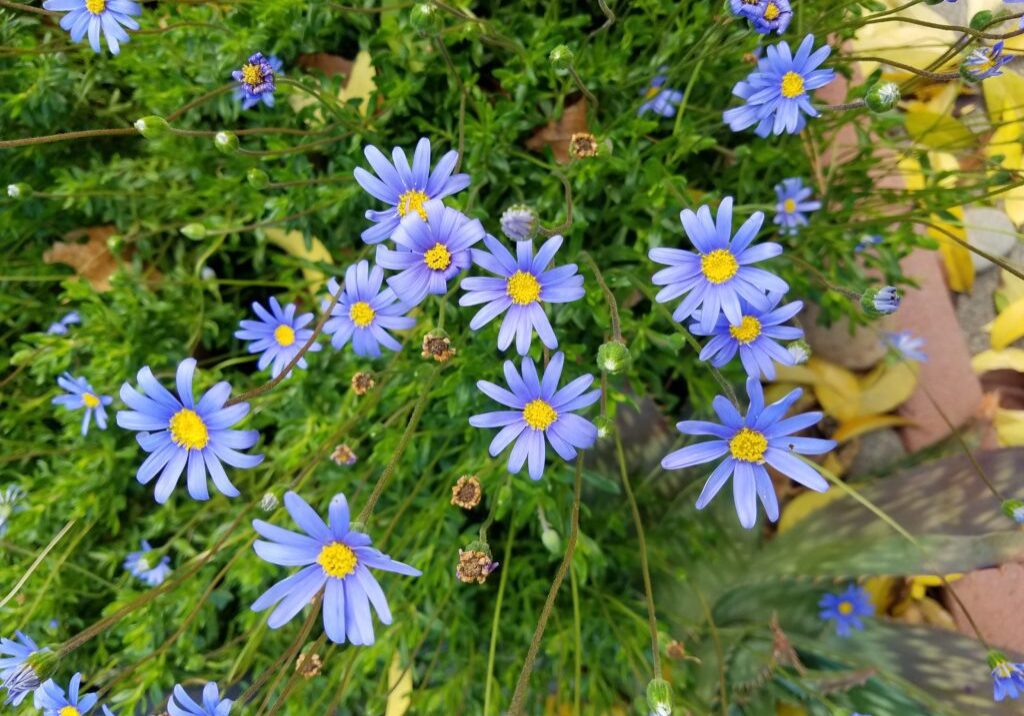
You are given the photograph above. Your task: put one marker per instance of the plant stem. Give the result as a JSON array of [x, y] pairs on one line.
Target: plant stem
[[493, 646]]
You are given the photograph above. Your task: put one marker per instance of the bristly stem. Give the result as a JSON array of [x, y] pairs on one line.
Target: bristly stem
[[38, 560], [567, 224], [609, 297]]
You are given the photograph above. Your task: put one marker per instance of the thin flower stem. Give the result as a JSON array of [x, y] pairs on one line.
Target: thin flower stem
[[997, 260], [332, 107], [495, 621], [977, 34], [567, 224], [582, 87], [55, 569], [609, 20], [935, 76], [27, 8], [519, 696], [38, 560], [200, 100], [293, 678], [609, 297], [280, 664], [723, 694], [17, 549], [858, 104], [577, 657], [67, 136]]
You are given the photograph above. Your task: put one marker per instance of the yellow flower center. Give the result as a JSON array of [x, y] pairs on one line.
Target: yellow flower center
[[252, 75], [188, 430], [284, 335], [748, 445], [845, 608], [789, 205], [771, 12], [361, 314], [90, 400], [652, 92], [523, 288], [719, 266], [437, 257], [412, 200], [1003, 670], [539, 415], [71, 710], [792, 85], [337, 559], [748, 330], [95, 7]]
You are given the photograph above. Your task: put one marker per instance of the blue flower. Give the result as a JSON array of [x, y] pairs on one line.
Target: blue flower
[[748, 443], [525, 283], [278, 334], [365, 313], [539, 412], [660, 99], [518, 222], [884, 301], [13, 655], [95, 16], [846, 609], [986, 62], [1007, 677], [50, 699], [406, 190], [140, 566], [719, 275], [433, 246], [181, 704], [766, 15], [867, 241], [256, 81], [776, 94], [336, 561], [81, 395], [904, 343], [61, 327], [10, 503], [754, 336], [178, 431], [793, 205]]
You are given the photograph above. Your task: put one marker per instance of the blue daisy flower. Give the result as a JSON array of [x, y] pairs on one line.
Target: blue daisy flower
[[432, 248], [60, 328], [904, 343], [256, 80], [719, 274], [13, 655], [278, 334], [793, 205], [866, 242], [660, 99], [525, 283], [539, 412], [749, 443], [181, 704], [406, 190], [140, 565], [364, 314], [754, 337], [846, 609], [336, 561], [95, 16], [776, 94], [51, 700], [81, 395], [179, 431], [10, 503], [1007, 677], [986, 62], [766, 15]]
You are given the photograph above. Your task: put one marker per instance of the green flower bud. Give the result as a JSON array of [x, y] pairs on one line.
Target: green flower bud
[[561, 57], [882, 96], [605, 426], [659, 697], [257, 178], [551, 540], [114, 242], [1014, 509], [981, 20], [194, 231], [20, 190], [613, 357], [880, 301], [152, 126], [226, 142], [425, 18]]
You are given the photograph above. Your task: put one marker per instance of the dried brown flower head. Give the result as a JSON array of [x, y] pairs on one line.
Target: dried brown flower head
[[474, 566], [309, 665], [583, 145], [466, 492], [362, 383], [343, 455], [675, 650], [437, 347]]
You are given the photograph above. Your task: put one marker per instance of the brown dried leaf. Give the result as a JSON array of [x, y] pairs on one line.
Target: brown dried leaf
[[91, 260], [557, 133]]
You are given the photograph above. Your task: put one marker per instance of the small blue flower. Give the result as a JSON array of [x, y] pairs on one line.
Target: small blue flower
[[406, 189], [81, 395], [180, 431], [748, 443], [846, 609], [181, 704], [1007, 677], [754, 337], [766, 15], [50, 699], [660, 99], [278, 334], [256, 81], [13, 653], [432, 248], [95, 16], [906, 345], [718, 275], [139, 564], [886, 300], [60, 328], [793, 205], [519, 222], [867, 241], [524, 284], [10, 503], [335, 561], [365, 313], [986, 62], [776, 94], [540, 414]]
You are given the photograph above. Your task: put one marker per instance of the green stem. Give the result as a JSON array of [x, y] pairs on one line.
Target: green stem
[[38, 560], [493, 646]]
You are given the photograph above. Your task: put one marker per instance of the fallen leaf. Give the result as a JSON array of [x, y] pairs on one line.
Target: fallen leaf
[[1009, 427], [858, 426], [887, 387], [1008, 326], [360, 83], [804, 504], [92, 260], [1007, 359], [399, 687], [557, 133], [294, 243], [837, 389], [938, 131]]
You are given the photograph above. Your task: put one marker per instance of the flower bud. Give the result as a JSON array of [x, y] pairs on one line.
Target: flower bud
[[551, 540], [613, 357], [114, 242], [880, 301], [425, 18], [194, 231], [257, 178], [269, 502], [1014, 509], [605, 426], [152, 126], [659, 697], [800, 350], [226, 142], [20, 190], [561, 57], [207, 274], [981, 20], [882, 96], [519, 222]]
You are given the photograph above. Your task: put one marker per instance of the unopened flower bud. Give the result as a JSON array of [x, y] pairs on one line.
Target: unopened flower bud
[[519, 222], [605, 426], [882, 96], [981, 20], [269, 502], [226, 142], [880, 301], [152, 126], [1014, 509], [659, 697], [257, 178], [194, 231], [425, 18], [561, 57], [800, 350], [207, 273], [20, 190], [114, 242], [551, 540], [613, 357]]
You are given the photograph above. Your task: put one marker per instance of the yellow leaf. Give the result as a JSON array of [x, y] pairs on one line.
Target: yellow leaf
[[1013, 287], [804, 504], [886, 387], [1008, 326], [858, 426], [938, 131], [798, 374], [360, 83], [784, 709], [1008, 359], [837, 389], [399, 688], [294, 243], [1009, 427], [882, 591], [959, 267]]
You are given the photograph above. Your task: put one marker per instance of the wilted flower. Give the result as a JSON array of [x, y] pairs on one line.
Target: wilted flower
[[880, 301], [141, 565], [16, 675], [309, 665], [343, 455], [437, 347], [362, 383], [474, 566], [466, 492], [95, 17], [985, 62], [583, 145]]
